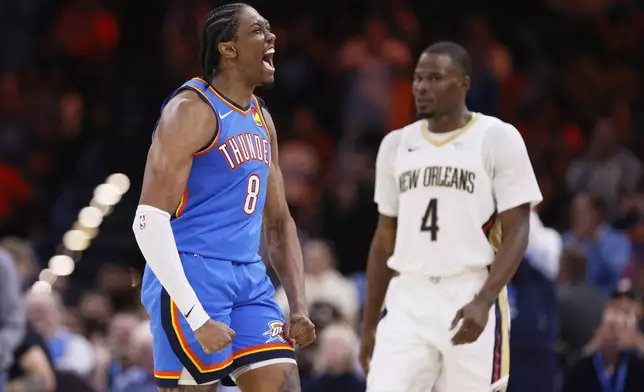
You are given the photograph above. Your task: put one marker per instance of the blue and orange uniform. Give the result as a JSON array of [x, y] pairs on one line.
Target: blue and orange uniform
[[217, 227]]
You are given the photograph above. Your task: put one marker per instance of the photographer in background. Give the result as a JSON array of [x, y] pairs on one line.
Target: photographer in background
[[614, 356]]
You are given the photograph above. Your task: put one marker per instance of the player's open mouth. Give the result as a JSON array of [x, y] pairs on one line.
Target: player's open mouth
[[268, 59]]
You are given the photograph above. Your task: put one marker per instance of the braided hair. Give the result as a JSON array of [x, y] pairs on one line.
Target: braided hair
[[220, 25]]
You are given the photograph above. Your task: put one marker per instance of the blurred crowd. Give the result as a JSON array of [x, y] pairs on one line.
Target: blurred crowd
[[81, 84]]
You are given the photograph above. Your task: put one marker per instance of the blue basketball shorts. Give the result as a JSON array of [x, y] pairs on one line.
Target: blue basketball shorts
[[237, 294]]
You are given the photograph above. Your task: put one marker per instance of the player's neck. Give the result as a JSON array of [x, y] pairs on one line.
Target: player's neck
[[449, 121], [233, 87]]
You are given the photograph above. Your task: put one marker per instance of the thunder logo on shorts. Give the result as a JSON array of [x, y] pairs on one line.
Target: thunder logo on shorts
[[275, 332]]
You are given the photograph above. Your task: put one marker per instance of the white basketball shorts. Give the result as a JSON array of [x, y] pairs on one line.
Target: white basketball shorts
[[413, 351]]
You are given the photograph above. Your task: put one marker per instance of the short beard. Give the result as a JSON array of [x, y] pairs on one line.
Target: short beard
[[425, 115]]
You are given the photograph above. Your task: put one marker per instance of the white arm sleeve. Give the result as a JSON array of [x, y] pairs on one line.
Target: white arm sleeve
[[154, 235], [513, 179], [386, 188]]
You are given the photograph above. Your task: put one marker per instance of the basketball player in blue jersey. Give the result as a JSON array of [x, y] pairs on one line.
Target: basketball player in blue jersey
[[211, 184]]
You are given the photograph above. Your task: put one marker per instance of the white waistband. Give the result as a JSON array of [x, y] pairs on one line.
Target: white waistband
[[449, 279]]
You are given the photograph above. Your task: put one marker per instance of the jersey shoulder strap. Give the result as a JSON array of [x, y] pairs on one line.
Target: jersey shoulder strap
[[200, 88]]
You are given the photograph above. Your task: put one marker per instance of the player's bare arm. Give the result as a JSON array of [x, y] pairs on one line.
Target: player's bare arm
[[515, 190], [186, 125], [285, 253], [378, 277], [516, 227]]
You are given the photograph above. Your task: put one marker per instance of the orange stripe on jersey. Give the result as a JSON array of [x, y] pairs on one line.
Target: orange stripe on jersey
[[213, 142], [182, 203], [216, 137], [223, 99], [203, 368], [167, 375], [201, 94]]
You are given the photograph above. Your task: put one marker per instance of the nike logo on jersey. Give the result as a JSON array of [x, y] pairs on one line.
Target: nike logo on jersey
[[222, 116], [190, 311], [412, 149]]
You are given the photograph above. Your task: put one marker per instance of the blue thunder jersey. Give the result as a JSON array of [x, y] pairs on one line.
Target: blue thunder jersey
[[220, 213]]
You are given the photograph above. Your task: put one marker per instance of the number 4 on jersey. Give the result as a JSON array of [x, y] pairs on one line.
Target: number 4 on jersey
[[430, 220]]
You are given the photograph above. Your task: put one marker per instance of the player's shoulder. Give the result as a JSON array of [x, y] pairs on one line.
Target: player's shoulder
[[186, 120], [401, 136], [190, 104], [496, 130]]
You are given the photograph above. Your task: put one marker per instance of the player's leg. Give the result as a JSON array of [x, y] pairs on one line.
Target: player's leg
[[179, 359], [403, 360], [484, 365], [278, 377], [263, 360]]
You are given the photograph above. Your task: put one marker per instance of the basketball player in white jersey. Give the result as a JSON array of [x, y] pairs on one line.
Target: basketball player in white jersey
[[445, 185]]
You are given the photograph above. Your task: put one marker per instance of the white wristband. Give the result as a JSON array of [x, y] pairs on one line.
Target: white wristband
[[153, 233]]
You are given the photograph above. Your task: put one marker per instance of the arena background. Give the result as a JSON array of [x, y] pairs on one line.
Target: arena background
[[82, 81]]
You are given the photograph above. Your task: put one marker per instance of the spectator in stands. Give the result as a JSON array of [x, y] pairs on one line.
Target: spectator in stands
[[12, 314], [112, 354], [322, 315], [68, 350], [534, 320], [608, 170], [23, 257], [581, 303], [613, 362], [324, 283], [140, 377], [33, 369], [608, 250], [335, 363]]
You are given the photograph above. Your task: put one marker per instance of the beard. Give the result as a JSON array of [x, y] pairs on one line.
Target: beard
[[425, 115]]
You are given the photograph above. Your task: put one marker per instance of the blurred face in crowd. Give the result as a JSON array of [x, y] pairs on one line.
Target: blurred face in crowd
[[604, 141], [337, 350], [318, 257], [620, 321], [140, 347], [439, 85], [120, 332], [44, 313], [573, 265], [96, 307], [584, 215]]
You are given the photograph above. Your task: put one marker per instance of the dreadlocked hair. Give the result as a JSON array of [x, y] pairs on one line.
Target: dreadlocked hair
[[220, 25]]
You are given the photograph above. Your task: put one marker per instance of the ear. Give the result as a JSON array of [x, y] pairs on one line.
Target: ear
[[227, 50], [466, 82]]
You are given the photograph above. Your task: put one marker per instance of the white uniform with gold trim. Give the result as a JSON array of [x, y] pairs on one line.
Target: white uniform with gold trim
[[446, 191]]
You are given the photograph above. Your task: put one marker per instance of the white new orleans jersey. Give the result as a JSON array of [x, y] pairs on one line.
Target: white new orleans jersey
[[447, 190]]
